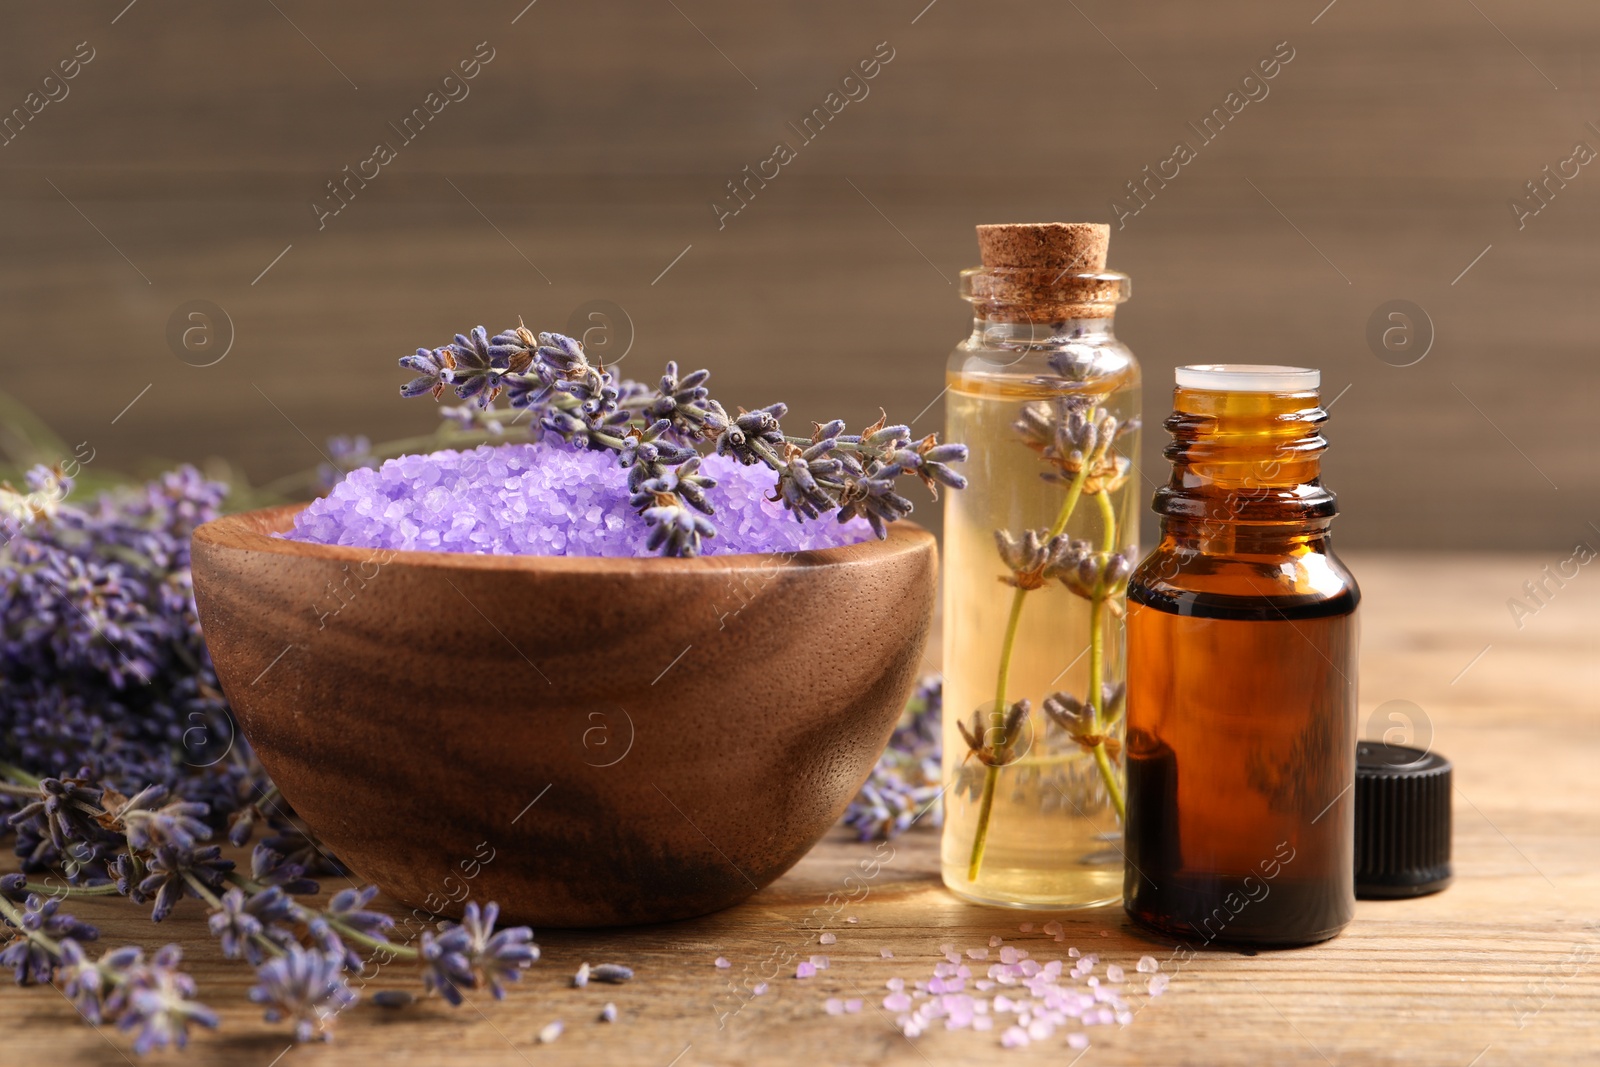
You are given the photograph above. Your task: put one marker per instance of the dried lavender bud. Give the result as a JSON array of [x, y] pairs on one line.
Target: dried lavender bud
[[992, 742], [581, 979], [267, 867], [549, 1032], [157, 999], [305, 986], [676, 530], [1093, 575], [608, 1014], [31, 961], [476, 368], [429, 363], [394, 998], [473, 953], [615, 973], [169, 871], [1077, 719], [1036, 556], [754, 436]]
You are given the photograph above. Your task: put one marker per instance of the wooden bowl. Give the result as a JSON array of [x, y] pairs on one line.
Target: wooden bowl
[[587, 741]]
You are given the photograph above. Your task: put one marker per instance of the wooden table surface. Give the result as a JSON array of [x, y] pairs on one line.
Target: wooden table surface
[[1495, 970]]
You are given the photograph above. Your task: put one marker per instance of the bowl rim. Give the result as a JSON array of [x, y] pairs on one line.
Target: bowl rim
[[251, 531]]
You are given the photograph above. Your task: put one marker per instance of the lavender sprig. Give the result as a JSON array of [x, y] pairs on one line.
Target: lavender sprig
[[904, 787], [659, 432]]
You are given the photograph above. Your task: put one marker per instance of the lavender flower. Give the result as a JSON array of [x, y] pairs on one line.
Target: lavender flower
[[29, 956], [993, 738], [306, 986], [473, 953], [158, 999], [905, 785], [168, 874], [429, 364], [654, 430], [235, 925]]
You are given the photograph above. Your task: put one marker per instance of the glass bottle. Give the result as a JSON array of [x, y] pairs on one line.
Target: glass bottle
[[1242, 675], [1047, 399]]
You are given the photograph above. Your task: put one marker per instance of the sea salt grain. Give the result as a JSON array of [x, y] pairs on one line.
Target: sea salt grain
[[805, 969], [550, 1032], [827, 939], [1158, 984], [722, 962], [1113, 973], [545, 499], [1148, 965]]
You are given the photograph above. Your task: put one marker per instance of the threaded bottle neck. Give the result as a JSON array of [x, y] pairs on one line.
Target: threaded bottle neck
[[1246, 448]]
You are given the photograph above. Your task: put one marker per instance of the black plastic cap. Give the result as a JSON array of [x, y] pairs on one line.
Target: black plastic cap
[[1402, 821]]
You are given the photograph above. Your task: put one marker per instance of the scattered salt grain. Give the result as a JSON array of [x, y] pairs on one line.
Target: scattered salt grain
[[1026, 928], [1105, 933], [805, 969], [608, 1014], [1077, 1040], [833, 1006], [1008, 955], [995, 940], [758, 989], [896, 984], [852, 1006], [886, 953], [851, 919], [827, 939], [897, 1002], [1148, 965], [1158, 984], [722, 962], [1014, 1037], [581, 979], [978, 953], [1053, 928], [819, 962], [550, 1032], [1113, 973]]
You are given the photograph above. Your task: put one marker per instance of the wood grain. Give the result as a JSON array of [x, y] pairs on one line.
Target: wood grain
[[1497, 970], [688, 728]]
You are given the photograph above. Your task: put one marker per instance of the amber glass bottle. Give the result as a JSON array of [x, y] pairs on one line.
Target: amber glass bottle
[[1242, 675]]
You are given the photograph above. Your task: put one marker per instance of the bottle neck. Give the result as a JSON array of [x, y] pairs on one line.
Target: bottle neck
[[990, 332], [1246, 466]]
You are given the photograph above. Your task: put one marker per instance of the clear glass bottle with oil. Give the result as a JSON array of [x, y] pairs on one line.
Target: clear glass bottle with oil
[[1242, 675], [1038, 549]]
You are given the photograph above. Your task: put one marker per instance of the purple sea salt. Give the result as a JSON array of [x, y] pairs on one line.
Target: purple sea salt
[[545, 499], [805, 969]]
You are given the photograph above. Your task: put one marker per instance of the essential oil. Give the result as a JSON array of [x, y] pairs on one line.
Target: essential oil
[[1242, 675], [1038, 826]]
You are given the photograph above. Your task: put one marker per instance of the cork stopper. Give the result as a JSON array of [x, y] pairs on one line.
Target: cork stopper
[[1036, 272], [1076, 247]]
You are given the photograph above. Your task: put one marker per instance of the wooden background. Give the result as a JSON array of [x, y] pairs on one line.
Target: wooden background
[[584, 162]]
